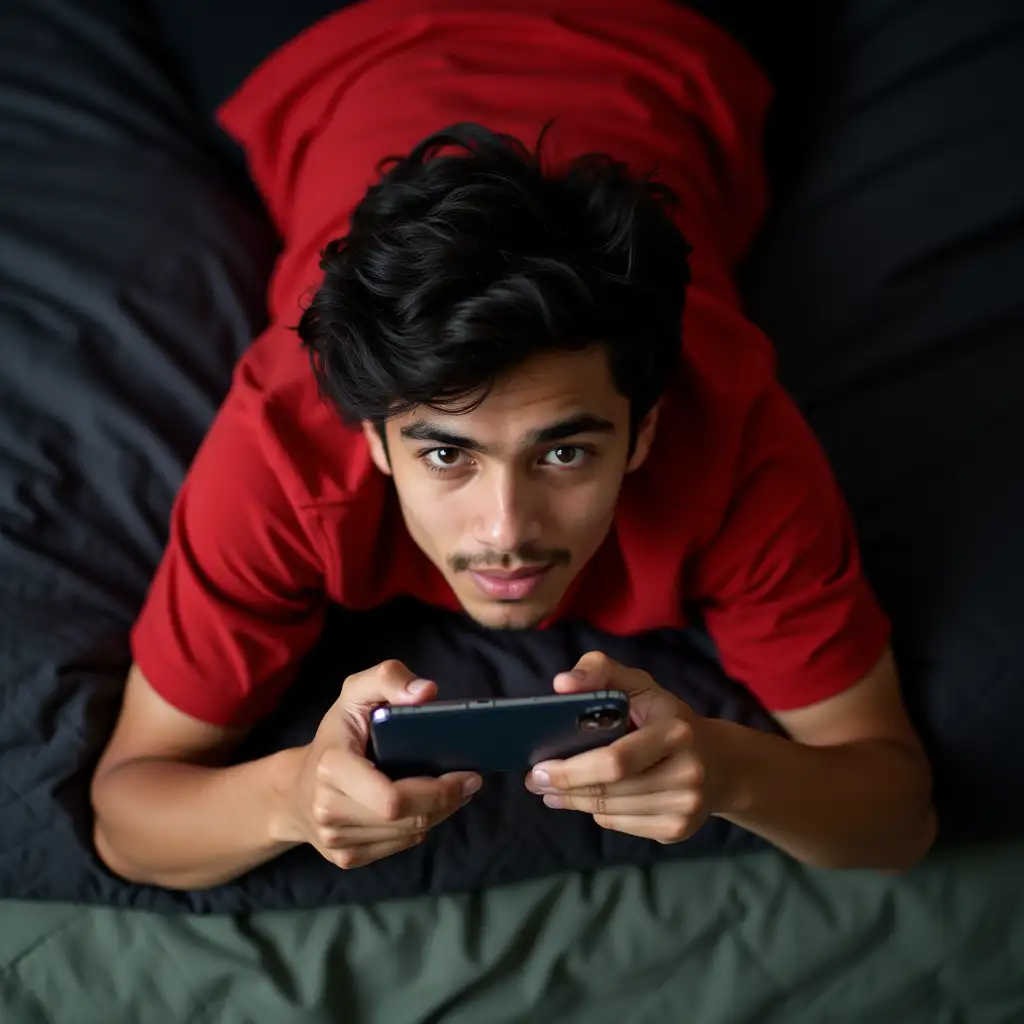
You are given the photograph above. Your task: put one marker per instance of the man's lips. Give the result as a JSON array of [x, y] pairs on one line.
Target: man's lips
[[505, 585], [515, 574]]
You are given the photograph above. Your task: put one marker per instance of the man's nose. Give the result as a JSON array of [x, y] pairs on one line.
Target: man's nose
[[508, 516]]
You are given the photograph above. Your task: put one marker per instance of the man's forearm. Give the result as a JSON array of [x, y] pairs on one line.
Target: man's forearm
[[186, 826], [858, 805]]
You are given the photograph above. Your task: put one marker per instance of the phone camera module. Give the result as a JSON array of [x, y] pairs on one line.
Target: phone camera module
[[600, 720]]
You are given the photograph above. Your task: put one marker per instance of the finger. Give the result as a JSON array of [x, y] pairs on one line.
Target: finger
[[341, 820], [423, 797], [367, 835], [423, 803], [418, 797], [346, 772], [359, 793], [390, 682], [673, 774], [348, 833], [628, 756], [360, 856], [594, 671], [679, 803], [662, 828]]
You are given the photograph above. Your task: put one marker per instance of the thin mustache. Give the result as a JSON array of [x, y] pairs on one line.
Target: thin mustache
[[463, 563]]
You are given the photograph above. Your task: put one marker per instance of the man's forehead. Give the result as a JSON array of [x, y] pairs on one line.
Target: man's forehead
[[549, 386], [583, 371]]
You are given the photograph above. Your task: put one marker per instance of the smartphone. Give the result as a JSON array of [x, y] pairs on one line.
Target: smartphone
[[502, 735]]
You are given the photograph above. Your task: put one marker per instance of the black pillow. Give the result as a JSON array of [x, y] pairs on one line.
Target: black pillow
[[891, 281]]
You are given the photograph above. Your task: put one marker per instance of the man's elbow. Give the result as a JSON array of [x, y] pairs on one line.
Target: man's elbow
[[915, 845], [128, 870], [112, 853], [892, 855], [917, 826], [106, 849], [114, 861]]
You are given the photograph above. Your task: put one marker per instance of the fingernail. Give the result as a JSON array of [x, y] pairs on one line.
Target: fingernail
[[578, 674], [553, 801], [417, 686], [541, 778], [471, 785]]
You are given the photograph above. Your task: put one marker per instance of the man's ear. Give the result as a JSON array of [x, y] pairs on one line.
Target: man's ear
[[376, 438], [644, 438]]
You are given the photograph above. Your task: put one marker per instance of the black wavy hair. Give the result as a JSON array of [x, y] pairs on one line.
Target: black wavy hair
[[469, 256]]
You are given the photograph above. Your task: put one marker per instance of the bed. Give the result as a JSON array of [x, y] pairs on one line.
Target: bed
[[132, 264]]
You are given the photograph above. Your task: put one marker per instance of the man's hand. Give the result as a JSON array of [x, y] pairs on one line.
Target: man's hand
[[341, 804], [659, 781], [665, 778]]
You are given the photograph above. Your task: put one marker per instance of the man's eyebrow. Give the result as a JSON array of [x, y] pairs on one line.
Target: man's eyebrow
[[424, 430], [585, 423]]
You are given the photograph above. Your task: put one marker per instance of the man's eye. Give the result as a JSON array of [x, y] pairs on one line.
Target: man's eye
[[565, 456], [442, 458]]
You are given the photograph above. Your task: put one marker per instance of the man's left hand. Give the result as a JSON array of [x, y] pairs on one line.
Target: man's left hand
[[659, 781]]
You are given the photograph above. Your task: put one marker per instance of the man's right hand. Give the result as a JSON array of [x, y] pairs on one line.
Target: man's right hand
[[341, 804]]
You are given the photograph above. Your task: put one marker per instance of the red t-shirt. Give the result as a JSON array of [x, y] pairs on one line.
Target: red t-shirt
[[735, 511]]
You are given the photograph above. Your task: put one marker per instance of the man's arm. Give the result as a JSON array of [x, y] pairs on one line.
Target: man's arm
[[850, 789], [235, 603], [167, 813], [794, 618]]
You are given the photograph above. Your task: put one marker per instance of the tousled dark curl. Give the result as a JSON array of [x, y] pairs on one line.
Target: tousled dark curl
[[469, 256]]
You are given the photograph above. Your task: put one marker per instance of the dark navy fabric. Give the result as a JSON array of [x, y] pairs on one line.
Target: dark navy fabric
[[890, 280], [215, 44]]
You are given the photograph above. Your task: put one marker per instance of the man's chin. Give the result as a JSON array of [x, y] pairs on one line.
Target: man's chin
[[509, 616]]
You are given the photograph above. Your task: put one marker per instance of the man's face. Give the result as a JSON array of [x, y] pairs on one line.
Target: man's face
[[512, 499]]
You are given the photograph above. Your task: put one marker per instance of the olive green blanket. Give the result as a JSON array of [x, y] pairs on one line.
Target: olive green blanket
[[756, 938]]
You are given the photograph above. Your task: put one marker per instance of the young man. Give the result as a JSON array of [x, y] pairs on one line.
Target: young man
[[486, 406]]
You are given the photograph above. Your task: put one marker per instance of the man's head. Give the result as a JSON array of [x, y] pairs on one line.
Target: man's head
[[503, 332]]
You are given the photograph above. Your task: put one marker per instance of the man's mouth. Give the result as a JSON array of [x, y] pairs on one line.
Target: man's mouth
[[510, 585]]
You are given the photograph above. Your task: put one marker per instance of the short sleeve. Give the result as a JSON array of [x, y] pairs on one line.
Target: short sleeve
[[237, 599], [780, 585]]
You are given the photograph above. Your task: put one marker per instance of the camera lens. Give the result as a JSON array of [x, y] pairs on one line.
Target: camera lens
[[599, 719]]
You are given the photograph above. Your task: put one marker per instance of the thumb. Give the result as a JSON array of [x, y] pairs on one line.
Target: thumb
[[390, 682], [596, 671]]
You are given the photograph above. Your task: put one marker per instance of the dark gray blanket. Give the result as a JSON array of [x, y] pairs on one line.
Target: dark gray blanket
[[131, 276]]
